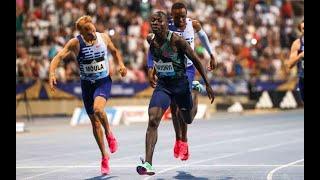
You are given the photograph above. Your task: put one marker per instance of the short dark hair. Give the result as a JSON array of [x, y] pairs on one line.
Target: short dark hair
[[162, 14], [178, 5]]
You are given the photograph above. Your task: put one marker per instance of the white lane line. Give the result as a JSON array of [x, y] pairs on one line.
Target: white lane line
[[246, 138], [270, 174], [202, 145], [93, 150], [213, 143], [157, 166], [224, 156], [48, 172], [63, 168], [219, 142], [78, 153]]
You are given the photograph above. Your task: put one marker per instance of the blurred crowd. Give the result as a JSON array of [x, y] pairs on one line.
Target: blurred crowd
[[250, 38]]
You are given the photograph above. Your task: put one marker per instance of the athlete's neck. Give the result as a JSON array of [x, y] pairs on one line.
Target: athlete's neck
[[161, 37], [89, 42]]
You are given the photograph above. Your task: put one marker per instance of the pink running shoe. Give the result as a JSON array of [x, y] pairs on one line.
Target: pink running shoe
[[105, 169], [112, 142], [184, 151], [176, 149]]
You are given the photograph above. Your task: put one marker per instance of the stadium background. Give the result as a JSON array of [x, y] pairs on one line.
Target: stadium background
[[251, 40]]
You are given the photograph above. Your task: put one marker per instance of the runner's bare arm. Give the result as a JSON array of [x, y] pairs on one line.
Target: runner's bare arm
[[70, 49], [115, 54], [205, 42], [67, 50], [185, 47], [294, 56], [151, 70]]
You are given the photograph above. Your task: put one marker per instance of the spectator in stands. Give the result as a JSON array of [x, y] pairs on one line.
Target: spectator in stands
[[240, 32]]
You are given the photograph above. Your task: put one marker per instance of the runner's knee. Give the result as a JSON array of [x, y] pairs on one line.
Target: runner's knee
[[98, 112], [186, 115], [95, 123], [154, 121]]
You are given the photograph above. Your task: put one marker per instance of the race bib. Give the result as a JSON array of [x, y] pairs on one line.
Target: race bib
[[164, 69], [94, 67]]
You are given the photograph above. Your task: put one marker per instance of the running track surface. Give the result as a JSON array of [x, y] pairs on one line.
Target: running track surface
[[224, 147]]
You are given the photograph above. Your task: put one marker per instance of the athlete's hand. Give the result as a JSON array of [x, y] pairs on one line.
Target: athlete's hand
[[123, 70], [210, 93], [152, 78], [52, 82], [213, 64]]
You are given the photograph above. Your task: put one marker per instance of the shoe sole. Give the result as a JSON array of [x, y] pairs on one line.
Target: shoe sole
[[143, 171], [184, 159], [105, 173]]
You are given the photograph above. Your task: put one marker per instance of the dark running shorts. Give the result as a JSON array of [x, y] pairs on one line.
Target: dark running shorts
[[176, 90], [301, 87], [92, 89]]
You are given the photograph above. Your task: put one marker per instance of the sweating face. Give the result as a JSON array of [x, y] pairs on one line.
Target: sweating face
[[158, 23], [179, 17], [88, 31]]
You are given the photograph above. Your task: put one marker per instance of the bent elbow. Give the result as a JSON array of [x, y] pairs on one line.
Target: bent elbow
[[288, 65]]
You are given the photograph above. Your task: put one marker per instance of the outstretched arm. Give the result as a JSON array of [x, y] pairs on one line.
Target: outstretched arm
[[115, 54], [205, 42], [69, 49], [185, 47], [150, 37], [151, 72]]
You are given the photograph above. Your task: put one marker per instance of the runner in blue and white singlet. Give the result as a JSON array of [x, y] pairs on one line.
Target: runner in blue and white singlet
[[90, 50], [92, 59]]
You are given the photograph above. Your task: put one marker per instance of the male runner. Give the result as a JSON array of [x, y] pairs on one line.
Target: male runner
[[186, 28], [168, 51], [297, 57], [90, 50]]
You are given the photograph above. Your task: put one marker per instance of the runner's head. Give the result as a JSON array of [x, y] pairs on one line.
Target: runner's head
[[159, 22], [86, 28], [179, 14]]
